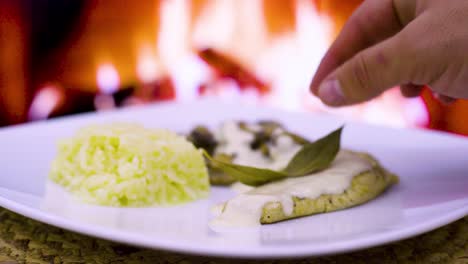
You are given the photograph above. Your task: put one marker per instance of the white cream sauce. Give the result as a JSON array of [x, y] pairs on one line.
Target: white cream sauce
[[234, 140], [246, 208], [239, 187]]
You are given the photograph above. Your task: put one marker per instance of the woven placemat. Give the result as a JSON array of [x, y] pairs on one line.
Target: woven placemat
[[23, 240]]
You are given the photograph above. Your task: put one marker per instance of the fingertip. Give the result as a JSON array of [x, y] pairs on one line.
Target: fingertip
[[325, 67], [314, 87], [328, 64], [331, 93]]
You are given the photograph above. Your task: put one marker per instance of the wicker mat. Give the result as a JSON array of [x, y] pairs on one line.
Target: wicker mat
[[26, 241]]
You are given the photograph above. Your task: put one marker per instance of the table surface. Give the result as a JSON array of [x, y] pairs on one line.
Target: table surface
[[23, 240]]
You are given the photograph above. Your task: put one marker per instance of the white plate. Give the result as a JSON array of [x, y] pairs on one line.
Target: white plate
[[433, 190]]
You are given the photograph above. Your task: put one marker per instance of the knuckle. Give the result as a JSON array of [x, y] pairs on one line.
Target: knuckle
[[361, 75]]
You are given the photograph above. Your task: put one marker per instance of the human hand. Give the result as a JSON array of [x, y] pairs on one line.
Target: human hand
[[386, 43]]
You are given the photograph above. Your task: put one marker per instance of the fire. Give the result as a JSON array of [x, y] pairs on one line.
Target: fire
[[148, 69], [232, 50], [281, 65], [108, 80]]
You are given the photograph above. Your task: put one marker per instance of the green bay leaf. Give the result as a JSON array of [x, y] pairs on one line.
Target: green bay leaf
[[312, 157], [247, 175], [315, 156]]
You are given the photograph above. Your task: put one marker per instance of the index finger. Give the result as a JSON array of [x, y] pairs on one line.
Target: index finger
[[372, 22]]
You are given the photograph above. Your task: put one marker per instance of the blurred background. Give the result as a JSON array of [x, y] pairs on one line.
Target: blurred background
[[62, 58]]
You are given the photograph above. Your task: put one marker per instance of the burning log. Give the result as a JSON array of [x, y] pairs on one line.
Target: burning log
[[226, 67], [54, 101], [161, 89]]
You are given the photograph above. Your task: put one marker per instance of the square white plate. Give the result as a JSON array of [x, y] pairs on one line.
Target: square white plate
[[433, 168]]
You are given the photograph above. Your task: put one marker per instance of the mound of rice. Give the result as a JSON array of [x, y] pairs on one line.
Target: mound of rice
[[129, 165]]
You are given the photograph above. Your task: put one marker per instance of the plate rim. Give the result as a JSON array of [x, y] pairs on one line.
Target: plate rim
[[300, 251], [276, 252], [162, 105]]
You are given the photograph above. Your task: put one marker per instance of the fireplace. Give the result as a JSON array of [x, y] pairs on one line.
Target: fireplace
[[69, 58]]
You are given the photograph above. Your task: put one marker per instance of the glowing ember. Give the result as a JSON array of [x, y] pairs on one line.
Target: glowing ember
[[108, 80], [45, 102]]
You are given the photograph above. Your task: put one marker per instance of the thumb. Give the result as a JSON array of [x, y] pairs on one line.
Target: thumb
[[369, 73]]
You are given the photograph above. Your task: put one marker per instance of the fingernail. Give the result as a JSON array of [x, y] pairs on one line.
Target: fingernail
[[330, 92]]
